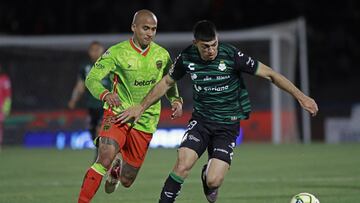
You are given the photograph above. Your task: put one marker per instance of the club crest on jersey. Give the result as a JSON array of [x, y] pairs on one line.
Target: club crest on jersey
[[222, 65], [193, 76], [158, 64]]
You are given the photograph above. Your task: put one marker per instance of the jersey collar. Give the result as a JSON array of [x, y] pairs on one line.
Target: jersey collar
[[143, 52]]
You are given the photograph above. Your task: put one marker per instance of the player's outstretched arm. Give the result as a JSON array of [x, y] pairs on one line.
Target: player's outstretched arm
[[282, 82], [134, 112]]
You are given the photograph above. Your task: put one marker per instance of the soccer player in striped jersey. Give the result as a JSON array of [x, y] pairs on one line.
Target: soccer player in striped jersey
[[94, 106], [220, 102], [134, 67]]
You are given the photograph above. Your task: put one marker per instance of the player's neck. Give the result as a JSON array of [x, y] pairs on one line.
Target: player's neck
[[138, 45]]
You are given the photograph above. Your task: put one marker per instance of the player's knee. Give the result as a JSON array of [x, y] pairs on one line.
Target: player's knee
[[182, 169], [105, 162], [105, 157], [214, 181]]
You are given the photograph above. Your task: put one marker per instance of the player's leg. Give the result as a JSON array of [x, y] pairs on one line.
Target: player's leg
[[212, 176], [113, 176], [192, 147], [133, 154], [108, 148], [220, 154], [109, 144], [172, 186]]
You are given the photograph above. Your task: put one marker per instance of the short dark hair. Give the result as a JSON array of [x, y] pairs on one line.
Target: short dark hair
[[204, 30], [95, 43]]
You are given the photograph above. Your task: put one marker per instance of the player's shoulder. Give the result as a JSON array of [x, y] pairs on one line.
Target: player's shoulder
[[116, 49], [121, 45]]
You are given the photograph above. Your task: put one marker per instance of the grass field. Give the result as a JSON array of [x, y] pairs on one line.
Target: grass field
[[259, 173]]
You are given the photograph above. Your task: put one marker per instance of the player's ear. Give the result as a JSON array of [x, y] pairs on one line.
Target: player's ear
[[133, 26], [194, 41]]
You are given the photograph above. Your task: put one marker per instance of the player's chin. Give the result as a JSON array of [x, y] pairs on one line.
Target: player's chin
[[147, 41], [210, 58]]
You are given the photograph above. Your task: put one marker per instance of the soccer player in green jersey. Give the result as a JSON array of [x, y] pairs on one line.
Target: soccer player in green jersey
[[220, 102], [134, 67], [94, 106]]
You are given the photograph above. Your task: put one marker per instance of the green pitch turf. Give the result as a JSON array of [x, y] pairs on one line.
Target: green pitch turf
[[260, 173]]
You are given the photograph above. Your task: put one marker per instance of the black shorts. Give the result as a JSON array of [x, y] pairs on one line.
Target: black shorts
[[219, 139]]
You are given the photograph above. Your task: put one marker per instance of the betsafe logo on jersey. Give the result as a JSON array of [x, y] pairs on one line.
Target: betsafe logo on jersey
[[144, 82]]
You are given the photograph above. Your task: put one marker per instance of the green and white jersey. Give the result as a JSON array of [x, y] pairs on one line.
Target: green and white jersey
[[133, 72], [219, 92]]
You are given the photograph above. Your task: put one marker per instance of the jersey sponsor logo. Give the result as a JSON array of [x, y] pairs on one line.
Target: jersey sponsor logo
[[189, 137], [216, 89], [191, 66], [222, 77], [222, 65], [144, 82], [221, 150], [193, 76], [207, 78], [192, 137], [240, 54], [197, 88], [159, 64], [211, 89]]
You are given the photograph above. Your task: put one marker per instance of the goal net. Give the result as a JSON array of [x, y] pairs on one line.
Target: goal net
[[44, 70]]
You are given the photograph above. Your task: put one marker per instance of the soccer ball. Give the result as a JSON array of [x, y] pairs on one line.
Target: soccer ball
[[304, 198]]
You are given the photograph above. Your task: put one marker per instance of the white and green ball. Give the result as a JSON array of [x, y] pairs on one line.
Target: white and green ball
[[304, 198]]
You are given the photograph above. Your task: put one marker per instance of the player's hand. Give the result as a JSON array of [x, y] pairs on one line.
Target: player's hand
[[309, 105], [176, 107], [113, 100], [132, 114], [71, 104]]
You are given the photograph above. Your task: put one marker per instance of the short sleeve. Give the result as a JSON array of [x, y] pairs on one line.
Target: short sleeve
[[245, 63], [177, 70]]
